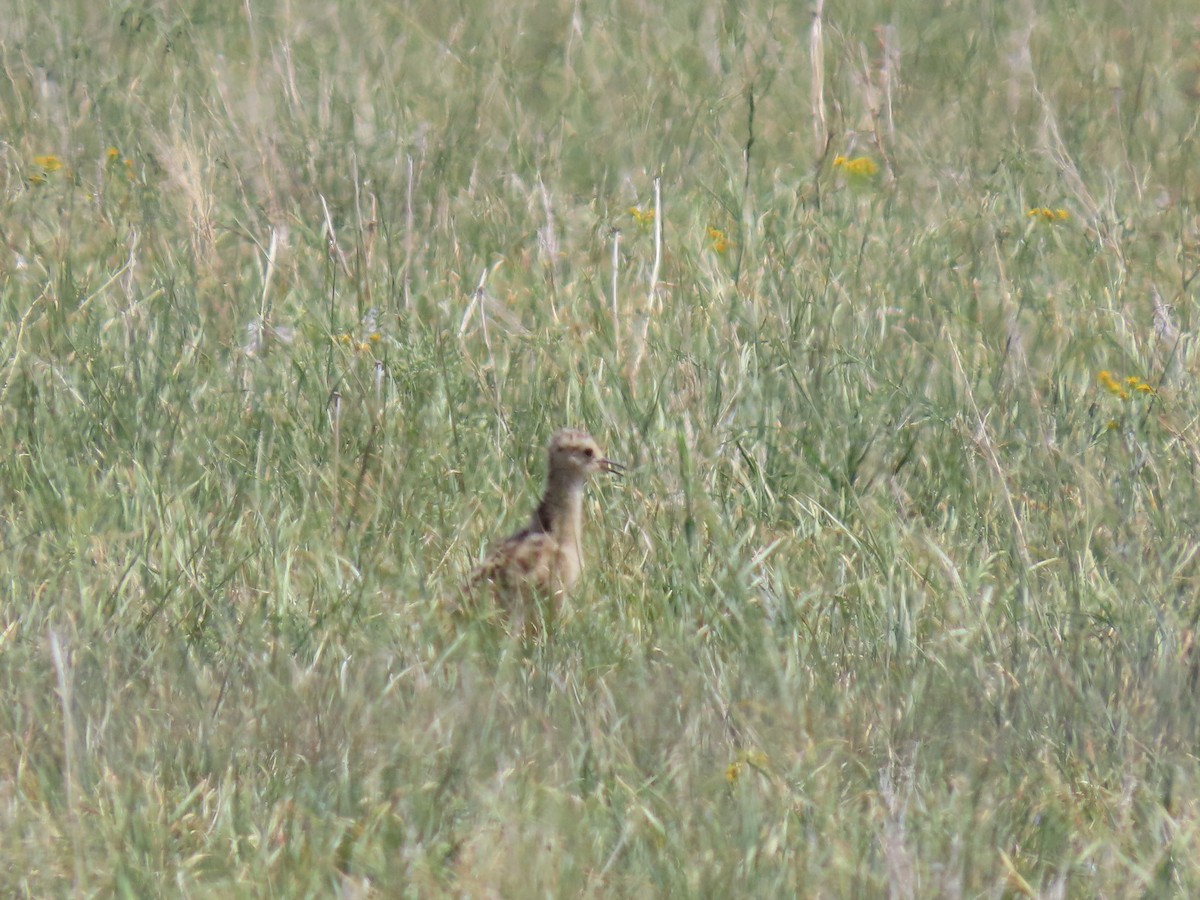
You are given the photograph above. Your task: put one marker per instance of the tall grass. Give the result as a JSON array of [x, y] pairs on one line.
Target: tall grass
[[899, 598]]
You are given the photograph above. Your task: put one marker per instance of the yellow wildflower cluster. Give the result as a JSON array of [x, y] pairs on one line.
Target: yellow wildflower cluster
[[1046, 214], [755, 759], [858, 167], [45, 164], [368, 333], [1123, 388], [644, 217], [720, 240], [346, 339], [114, 154]]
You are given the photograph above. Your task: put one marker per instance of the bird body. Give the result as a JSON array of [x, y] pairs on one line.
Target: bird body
[[542, 562]]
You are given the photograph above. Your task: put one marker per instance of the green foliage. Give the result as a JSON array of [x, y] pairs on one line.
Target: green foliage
[[898, 597]]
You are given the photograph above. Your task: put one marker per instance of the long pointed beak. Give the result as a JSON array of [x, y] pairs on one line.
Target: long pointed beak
[[607, 465]]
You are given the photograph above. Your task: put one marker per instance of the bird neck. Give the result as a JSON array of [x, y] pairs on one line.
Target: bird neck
[[561, 510]]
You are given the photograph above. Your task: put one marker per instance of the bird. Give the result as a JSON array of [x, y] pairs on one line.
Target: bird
[[528, 574]]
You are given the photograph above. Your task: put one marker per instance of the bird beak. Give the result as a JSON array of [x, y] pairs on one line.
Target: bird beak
[[607, 465]]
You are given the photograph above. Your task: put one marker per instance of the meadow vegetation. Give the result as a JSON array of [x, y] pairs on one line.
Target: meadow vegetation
[[899, 597]]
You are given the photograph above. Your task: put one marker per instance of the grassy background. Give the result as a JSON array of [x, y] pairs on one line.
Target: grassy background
[[898, 598]]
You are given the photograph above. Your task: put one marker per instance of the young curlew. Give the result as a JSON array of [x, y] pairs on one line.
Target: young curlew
[[540, 563]]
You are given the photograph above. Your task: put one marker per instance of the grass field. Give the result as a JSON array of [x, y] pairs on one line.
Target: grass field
[[899, 597]]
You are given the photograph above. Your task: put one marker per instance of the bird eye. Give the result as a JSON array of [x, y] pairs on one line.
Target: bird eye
[[589, 452]]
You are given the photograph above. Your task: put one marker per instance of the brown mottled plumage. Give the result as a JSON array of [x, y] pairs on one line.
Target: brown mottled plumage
[[542, 561]]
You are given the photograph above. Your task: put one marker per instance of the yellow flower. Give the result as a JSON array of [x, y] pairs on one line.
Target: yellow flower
[[1111, 384], [644, 218], [1124, 387], [858, 167], [1138, 385], [112, 153], [720, 240], [1046, 214], [755, 759], [49, 163]]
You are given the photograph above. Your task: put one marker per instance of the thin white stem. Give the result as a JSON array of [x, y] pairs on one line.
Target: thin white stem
[[264, 305], [816, 52], [652, 300], [616, 268], [334, 247], [479, 301], [652, 296], [408, 235], [62, 671], [16, 355], [336, 414]]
